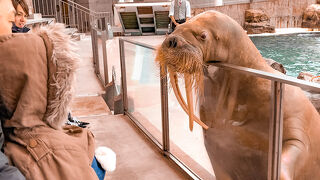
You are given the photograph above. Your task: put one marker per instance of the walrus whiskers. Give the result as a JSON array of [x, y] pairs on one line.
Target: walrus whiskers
[[189, 63]]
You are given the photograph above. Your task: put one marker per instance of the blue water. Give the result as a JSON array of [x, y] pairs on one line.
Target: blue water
[[296, 52]]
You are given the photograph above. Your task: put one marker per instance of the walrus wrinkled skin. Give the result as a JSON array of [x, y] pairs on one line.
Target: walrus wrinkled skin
[[235, 106]]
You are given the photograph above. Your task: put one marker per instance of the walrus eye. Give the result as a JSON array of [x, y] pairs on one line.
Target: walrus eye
[[203, 36]]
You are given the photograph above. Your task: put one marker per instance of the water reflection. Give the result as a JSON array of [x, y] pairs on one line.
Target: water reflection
[[297, 52]]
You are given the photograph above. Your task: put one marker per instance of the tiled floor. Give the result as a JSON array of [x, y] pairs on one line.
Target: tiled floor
[[137, 158]]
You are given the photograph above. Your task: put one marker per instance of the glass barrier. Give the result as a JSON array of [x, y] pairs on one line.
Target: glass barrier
[[100, 55], [143, 88], [114, 66], [260, 135], [187, 146], [101, 43]]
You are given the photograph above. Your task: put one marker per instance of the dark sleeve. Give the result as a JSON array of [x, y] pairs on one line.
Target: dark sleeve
[[7, 172], [25, 29]]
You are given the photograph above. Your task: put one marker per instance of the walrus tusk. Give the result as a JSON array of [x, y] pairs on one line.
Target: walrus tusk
[[188, 86], [176, 90]]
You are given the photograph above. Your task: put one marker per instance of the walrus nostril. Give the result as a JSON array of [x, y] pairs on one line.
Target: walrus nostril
[[175, 43], [172, 42]]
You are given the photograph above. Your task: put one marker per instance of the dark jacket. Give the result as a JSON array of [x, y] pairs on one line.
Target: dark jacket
[[7, 172], [16, 29]]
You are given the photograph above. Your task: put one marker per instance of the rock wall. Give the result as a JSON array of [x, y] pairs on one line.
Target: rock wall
[[257, 21], [282, 13], [311, 16]]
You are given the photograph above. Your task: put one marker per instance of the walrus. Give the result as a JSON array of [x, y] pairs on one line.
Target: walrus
[[235, 107]]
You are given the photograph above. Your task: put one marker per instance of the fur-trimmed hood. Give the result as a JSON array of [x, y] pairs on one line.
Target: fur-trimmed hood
[[36, 77], [62, 63]]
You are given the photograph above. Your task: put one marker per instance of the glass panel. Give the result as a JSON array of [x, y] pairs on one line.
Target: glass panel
[[113, 58], [143, 88], [187, 146], [237, 140], [100, 55]]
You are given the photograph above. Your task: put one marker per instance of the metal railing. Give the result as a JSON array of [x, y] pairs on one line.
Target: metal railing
[[72, 14], [275, 125], [99, 51], [47, 8], [84, 20]]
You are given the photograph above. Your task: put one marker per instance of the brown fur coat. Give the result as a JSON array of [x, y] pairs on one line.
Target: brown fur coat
[[36, 76]]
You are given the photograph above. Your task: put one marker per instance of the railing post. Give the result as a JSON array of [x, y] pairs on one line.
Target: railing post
[[105, 58], [165, 110], [275, 131], [95, 50], [123, 75], [69, 15], [54, 9], [39, 8], [48, 11], [81, 21], [73, 16], [60, 11], [34, 6]]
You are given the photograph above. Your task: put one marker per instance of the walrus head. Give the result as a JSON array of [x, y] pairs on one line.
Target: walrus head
[[209, 36]]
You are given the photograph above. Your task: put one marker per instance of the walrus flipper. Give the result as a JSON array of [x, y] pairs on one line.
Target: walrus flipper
[[294, 149], [289, 159]]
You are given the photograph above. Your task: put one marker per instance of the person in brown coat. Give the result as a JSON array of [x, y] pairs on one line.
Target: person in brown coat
[[36, 77]]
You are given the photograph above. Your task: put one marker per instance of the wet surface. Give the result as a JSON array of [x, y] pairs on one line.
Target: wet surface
[[297, 52]]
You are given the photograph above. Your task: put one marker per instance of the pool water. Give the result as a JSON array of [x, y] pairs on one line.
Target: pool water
[[296, 52]]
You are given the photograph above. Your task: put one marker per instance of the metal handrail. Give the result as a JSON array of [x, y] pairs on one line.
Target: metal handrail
[[276, 123], [85, 9], [306, 85], [266, 75], [73, 14]]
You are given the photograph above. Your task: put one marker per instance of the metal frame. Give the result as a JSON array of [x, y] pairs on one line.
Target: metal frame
[[275, 131], [138, 20], [104, 52], [165, 112], [276, 121], [95, 35], [123, 76], [95, 50]]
